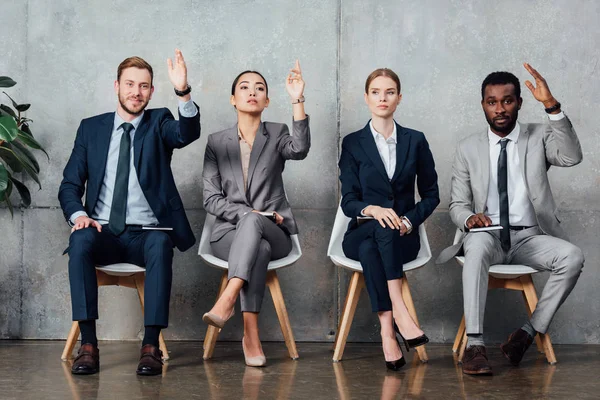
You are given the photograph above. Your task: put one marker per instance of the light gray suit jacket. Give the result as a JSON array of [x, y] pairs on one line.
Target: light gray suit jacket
[[540, 146], [224, 194]]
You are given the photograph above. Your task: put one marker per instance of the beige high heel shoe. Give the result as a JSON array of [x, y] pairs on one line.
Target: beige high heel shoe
[[258, 361], [215, 320]]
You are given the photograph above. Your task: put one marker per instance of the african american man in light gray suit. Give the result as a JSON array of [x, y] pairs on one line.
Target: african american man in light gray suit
[[499, 177]]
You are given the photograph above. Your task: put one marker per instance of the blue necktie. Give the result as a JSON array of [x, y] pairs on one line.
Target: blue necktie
[[118, 209], [503, 195]]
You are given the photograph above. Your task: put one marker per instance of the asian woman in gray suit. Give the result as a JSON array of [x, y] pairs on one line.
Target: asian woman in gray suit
[[242, 177]]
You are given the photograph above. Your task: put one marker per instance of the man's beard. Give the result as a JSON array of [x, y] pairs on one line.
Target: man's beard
[[129, 110], [506, 129]]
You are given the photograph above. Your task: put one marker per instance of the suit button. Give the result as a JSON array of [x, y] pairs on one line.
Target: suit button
[[390, 197]]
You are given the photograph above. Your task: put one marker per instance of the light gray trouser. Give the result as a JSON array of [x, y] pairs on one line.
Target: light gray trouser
[[530, 247], [248, 250]]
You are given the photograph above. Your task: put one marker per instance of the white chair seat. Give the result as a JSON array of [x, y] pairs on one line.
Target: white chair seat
[[337, 256], [205, 251], [120, 269], [500, 271]]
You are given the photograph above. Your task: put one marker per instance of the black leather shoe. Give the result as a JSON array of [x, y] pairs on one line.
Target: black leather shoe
[[87, 361], [150, 361], [411, 343], [475, 361], [515, 347], [397, 364]]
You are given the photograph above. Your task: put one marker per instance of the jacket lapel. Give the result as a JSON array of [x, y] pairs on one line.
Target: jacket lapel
[[370, 148], [106, 128], [483, 150], [257, 147], [138, 141], [402, 146], [235, 162]]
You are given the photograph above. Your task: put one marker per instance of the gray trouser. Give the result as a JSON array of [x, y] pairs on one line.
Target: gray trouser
[[248, 250], [530, 247]]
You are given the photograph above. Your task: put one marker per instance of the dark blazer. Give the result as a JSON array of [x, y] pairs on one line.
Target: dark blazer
[[365, 181], [224, 193], [155, 138]]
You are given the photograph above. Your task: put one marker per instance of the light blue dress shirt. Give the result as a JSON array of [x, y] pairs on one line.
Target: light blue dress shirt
[[138, 209]]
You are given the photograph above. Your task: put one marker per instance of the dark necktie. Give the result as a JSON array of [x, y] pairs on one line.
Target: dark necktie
[[503, 195], [118, 209]]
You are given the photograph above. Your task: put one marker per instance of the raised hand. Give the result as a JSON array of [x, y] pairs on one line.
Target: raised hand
[[540, 91], [294, 83], [178, 71]]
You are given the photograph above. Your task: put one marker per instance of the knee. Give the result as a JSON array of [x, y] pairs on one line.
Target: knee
[[252, 219], [574, 259], [264, 247], [387, 233], [82, 239], [159, 240]]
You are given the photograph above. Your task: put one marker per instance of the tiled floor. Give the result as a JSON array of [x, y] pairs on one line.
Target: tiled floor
[[33, 370]]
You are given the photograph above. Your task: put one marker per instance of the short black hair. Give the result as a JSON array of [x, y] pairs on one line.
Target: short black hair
[[237, 78], [501, 78]]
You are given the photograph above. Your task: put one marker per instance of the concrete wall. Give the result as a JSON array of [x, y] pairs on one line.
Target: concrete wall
[[64, 55]]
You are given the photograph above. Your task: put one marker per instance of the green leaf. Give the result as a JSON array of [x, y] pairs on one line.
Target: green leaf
[[8, 128], [10, 158], [5, 81], [3, 180], [23, 192], [15, 105], [28, 139], [23, 107], [7, 198], [26, 165], [8, 110], [23, 152]]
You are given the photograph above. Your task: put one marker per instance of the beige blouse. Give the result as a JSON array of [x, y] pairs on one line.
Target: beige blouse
[[245, 150]]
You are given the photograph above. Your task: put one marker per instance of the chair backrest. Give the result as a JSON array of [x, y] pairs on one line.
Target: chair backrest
[[337, 256], [205, 251], [500, 271]]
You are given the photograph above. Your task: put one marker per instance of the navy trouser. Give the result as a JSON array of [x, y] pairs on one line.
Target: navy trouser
[[152, 250], [382, 253]]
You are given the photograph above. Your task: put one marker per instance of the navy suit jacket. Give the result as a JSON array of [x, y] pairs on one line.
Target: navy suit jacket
[[365, 181], [157, 135]]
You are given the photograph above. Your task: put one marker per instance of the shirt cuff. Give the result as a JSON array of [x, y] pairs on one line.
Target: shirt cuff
[[187, 109], [556, 117], [362, 212], [465, 224], [76, 215]]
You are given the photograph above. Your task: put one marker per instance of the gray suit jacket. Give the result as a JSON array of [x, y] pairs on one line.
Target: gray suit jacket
[[224, 194], [540, 146]]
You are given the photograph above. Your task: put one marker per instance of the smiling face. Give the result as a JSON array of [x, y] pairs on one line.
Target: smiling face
[[501, 106], [250, 94], [382, 97], [134, 90]]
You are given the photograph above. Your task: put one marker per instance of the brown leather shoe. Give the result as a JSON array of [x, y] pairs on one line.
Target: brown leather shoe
[[515, 347], [87, 361], [475, 361], [150, 361]]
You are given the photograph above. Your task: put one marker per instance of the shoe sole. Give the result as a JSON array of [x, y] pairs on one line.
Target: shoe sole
[[145, 373], [92, 372], [208, 320], [480, 372]]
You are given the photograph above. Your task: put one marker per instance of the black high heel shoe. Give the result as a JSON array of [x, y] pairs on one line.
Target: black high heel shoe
[[416, 342], [396, 365]]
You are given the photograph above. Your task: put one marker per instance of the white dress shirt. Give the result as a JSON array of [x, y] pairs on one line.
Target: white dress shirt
[[520, 208]]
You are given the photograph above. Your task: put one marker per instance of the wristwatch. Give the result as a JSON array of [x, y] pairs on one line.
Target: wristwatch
[[300, 100], [180, 93], [553, 108]]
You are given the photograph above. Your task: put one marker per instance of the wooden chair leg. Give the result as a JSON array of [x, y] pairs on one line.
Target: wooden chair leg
[[459, 335], [210, 340], [67, 353], [357, 282], [463, 345], [282, 314], [139, 284], [337, 333], [532, 300], [413, 313]]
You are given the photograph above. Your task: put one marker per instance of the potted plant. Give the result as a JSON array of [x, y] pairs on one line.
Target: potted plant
[[15, 157]]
